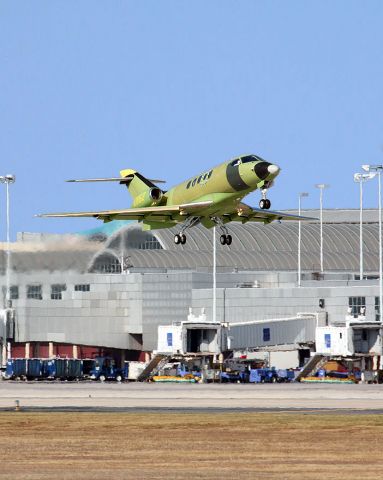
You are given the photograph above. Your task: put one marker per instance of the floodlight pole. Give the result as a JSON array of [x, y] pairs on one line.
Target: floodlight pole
[[214, 276], [7, 179], [378, 169], [302, 194], [361, 178], [361, 229], [321, 187]]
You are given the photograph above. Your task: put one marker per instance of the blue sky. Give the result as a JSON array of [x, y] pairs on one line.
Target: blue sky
[[171, 88]]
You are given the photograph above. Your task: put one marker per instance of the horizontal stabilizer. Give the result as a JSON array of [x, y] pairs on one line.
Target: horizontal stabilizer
[[127, 179]]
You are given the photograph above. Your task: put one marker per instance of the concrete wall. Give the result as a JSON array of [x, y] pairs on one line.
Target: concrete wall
[[119, 305], [105, 315], [248, 304]]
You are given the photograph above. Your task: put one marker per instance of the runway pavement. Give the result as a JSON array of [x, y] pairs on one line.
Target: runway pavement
[[111, 396]]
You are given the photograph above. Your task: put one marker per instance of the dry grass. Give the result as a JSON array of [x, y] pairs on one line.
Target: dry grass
[[42, 446]]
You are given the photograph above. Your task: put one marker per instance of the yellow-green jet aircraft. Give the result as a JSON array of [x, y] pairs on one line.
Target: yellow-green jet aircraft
[[211, 198]]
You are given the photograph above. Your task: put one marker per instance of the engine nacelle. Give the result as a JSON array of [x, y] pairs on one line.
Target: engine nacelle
[[148, 198]]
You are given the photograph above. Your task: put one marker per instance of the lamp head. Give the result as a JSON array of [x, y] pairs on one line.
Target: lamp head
[[357, 177], [10, 178], [7, 178]]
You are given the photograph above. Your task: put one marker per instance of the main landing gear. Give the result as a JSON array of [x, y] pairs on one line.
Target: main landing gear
[[264, 203], [180, 238], [225, 238]]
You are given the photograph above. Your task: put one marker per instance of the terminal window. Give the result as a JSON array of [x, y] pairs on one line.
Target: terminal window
[[377, 309], [34, 291], [85, 287], [266, 334], [14, 292], [356, 304], [56, 291]]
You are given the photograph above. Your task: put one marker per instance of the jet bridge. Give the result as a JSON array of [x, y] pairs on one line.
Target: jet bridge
[[352, 337], [195, 336]]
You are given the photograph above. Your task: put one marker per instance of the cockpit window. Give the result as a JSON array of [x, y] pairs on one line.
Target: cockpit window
[[236, 162], [252, 158]]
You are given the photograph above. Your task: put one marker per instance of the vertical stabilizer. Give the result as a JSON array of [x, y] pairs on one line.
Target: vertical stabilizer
[[142, 190]]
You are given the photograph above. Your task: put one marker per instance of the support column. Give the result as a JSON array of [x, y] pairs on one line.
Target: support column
[[123, 356], [27, 350], [50, 350], [375, 363], [75, 351], [4, 354]]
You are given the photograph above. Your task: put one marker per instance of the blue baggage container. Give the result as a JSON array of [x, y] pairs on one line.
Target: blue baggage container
[[60, 368], [20, 368], [16, 368], [255, 375], [74, 368], [48, 368], [34, 368], [9, 369]]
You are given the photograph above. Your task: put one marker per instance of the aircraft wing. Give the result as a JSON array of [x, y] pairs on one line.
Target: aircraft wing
[[245, 213], [136, 213]]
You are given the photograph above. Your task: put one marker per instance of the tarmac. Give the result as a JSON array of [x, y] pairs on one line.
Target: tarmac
[[87, 396]]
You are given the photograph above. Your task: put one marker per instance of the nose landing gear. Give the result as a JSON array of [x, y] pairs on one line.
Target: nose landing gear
[[264, 203]]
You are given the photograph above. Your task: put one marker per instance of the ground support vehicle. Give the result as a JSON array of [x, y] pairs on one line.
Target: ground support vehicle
[[105, 369], [285, 375], [230, 377], [263, 375]]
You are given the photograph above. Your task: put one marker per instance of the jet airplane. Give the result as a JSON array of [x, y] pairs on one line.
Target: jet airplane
[[212, 198]]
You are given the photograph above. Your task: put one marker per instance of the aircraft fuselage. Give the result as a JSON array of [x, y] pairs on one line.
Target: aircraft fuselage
[[228, 182]]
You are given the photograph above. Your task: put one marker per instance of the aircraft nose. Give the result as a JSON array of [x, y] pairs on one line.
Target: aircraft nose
[[264, 169], [273, 169]]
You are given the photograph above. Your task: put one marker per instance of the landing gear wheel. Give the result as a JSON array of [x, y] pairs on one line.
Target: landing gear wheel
[[183, 239], [264, 204], [225, 239], [177, 239]]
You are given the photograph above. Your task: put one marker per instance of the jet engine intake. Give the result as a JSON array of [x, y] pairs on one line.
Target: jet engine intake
[[148, 198]]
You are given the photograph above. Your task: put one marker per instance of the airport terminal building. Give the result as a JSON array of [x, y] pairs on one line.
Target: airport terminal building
[[107, 291]]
